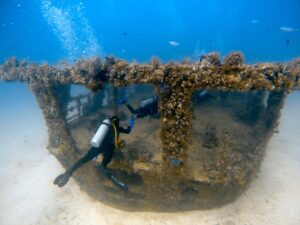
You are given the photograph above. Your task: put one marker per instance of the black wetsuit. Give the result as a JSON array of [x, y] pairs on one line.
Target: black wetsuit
[[106, 148], [148, 110]]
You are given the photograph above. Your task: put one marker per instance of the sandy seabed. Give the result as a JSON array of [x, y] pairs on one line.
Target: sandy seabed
[[27, 170]]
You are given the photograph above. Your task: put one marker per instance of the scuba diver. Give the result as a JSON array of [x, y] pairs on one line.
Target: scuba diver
[[148, 107], [105, 141]]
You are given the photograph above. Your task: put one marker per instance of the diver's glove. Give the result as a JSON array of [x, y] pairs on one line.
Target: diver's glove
[[62, 179], [131, 122]]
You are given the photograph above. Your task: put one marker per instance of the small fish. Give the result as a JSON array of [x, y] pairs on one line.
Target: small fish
[[254, 21], [287, 41], [287, 29], [124, 34], [173, 43]]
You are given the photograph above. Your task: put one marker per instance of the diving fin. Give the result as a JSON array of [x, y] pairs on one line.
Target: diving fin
[[62, 179], [108, 174], [118, 183]]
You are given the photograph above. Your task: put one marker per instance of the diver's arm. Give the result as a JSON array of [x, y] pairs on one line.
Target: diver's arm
[[141, 115], [131, 109], [124, 130]]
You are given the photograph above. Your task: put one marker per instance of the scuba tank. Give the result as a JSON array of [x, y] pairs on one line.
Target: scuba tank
[[101, 133], [148, 101]]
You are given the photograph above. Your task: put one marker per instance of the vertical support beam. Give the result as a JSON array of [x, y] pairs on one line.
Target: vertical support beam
[[175, 108], [61, 143]]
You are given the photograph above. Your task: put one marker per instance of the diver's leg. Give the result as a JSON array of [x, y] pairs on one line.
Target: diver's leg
[[62, 179], [143, 112], [92, 153], [107, 156], [131, 109]]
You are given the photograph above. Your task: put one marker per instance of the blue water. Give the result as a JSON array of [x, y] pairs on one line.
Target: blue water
[[50, 31]]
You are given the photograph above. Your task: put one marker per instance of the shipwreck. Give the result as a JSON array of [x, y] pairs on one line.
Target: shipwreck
[[215, 120]]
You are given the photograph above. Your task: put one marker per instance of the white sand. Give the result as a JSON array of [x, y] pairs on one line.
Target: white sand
[[27, 170]]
